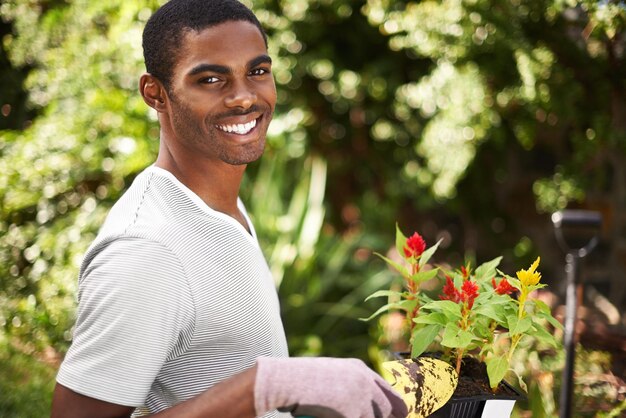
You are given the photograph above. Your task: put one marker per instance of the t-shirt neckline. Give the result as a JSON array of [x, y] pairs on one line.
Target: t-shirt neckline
[[202, 205]]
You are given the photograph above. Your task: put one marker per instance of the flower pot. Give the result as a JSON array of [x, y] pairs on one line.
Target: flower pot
[[487, 405], [472, 397]]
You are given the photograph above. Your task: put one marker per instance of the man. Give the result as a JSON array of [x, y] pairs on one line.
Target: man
[[178, 316]]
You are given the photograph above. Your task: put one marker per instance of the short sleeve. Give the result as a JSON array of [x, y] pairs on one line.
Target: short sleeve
[[134, 304]]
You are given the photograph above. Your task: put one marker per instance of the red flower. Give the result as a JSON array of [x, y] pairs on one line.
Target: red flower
[[465, 272], [469, 292], [502, 288], [450, 292], [415, 246]]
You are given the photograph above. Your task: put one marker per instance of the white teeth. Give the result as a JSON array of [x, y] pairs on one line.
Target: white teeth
[[241, 128]]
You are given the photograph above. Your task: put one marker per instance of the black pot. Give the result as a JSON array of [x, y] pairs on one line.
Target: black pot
[[480, 406], [487, 405]]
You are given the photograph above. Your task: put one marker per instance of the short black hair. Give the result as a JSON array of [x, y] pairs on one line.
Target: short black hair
[[165, 29]]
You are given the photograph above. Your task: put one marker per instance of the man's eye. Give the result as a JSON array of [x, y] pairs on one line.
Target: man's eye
[[260, 71], [209, 80]]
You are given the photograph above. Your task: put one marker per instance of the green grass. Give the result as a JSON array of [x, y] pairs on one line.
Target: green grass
[[26, 384]]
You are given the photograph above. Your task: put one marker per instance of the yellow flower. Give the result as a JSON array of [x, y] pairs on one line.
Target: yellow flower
[[530, 277]]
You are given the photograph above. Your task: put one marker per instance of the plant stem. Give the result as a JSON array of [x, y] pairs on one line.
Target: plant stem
[[514, 341], [521, 302], [413, 290], [521, 313]]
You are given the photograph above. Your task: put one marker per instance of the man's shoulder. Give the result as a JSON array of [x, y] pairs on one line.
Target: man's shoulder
[[152, 202], [141, 215]]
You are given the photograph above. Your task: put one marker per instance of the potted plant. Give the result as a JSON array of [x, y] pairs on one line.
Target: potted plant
[[475, 323]]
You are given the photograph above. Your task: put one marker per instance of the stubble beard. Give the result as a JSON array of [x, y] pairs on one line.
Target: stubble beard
[[207, 142]]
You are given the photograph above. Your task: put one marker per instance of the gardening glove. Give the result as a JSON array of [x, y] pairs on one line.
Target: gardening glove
[[324, 387]]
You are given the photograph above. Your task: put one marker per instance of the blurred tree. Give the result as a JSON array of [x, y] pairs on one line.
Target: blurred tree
[[471, 119], [457, 118], [13, 112], [466, 120], [60, 174], [530, 95]]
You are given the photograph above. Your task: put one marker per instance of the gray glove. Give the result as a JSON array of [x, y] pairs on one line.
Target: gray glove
[[324, 387]]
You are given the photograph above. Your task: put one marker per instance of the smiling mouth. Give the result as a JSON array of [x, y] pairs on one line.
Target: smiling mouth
[[239, 128]]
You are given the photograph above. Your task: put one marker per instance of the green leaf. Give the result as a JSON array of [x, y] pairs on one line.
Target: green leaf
[[517, 326], [404, 305], [450, 335], [520, 382], [422, 338], [487, 270], [384, 293], [496, 369], [544, 312], [400, 241], [399, 267], [378, 312], [432, 318], [541, 306], [423, 276], [503, 300], [425, 298], [455, 337], [465, 338], [541, 334], [428, 253], [483, 298], [407, 304], [451, 309], [495, 312], [484, 333], [552, 320]]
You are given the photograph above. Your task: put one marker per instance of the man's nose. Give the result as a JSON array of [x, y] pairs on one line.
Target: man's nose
[[241, 95]]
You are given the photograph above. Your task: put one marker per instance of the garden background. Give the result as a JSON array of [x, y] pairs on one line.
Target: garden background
[[468, 121]]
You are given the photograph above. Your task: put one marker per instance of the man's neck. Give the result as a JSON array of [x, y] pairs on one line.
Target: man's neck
[[216, 184]]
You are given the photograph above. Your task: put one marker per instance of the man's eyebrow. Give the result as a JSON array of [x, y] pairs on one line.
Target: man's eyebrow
[[261, 59], [222, 69], [213, 68]]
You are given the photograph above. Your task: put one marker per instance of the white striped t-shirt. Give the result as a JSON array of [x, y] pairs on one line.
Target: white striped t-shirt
[[174, 297]]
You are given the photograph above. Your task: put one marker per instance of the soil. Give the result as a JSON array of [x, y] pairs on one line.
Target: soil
[[473, 381]]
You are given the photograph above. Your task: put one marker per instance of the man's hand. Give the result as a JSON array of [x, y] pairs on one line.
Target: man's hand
[[68, 404], [232, 398], [324, 388], [319, 387]]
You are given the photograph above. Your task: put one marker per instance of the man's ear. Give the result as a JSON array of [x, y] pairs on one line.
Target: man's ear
[[153, 92]]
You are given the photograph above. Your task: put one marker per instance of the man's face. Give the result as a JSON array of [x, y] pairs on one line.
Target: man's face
[[222, 94]]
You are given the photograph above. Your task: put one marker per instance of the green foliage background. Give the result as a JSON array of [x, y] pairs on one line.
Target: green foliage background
[[466, 120]]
